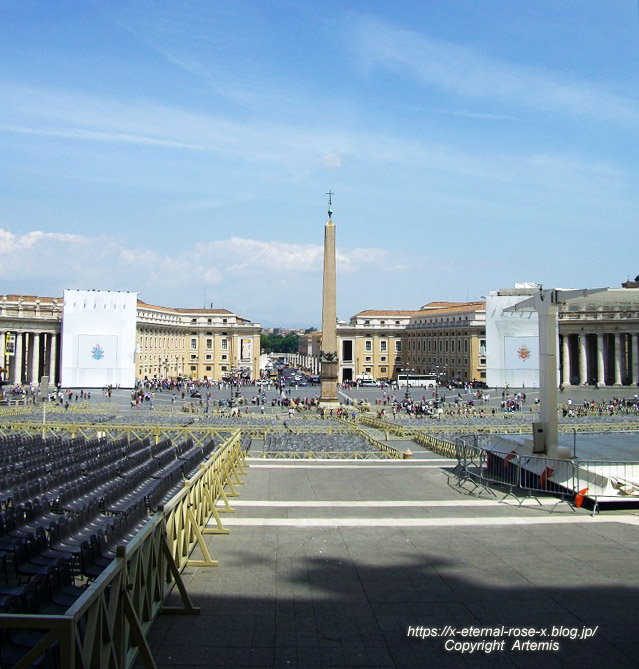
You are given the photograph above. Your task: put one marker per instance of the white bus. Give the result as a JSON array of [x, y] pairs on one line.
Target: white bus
[[416, 380]]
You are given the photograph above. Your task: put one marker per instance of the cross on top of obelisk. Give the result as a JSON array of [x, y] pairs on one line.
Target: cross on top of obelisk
[[330, 202]]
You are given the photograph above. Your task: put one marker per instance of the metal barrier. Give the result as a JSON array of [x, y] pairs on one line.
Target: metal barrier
[[198, 433], [390, 451], [488, 426], [576, 482], [327, 455], [440, 446], [107, 625]]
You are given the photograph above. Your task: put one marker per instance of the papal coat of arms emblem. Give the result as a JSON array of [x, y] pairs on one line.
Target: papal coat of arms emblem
[[523, 353], [97, 352]]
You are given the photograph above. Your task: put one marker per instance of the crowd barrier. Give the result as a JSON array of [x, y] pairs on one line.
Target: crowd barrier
[[390, 451], [487, 426], [325, 455], [107, 625], [587, 483]]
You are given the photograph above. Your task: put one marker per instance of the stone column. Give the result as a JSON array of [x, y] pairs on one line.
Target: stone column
[[17, 359], [601, 365], [583, 370], [329, 317], [565, 368], [53, 349], [635, 359], [35, 357], [617, 367]]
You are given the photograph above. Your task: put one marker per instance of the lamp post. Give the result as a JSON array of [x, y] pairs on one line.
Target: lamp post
[[436, 372], [232, 377], [407, 371]]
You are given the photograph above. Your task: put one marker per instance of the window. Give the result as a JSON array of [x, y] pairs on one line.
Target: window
[[368, 358], [224, 356], [367, 322], [193, 368], [193, 344], [194, 320], [398, 346], [382, 358], [367, 370], [208, 369], [225, 344], [382, 370], [209, 356], [465, 345], [193, 356], [382, 345], [368, 345], [224, 368], [209, 344]]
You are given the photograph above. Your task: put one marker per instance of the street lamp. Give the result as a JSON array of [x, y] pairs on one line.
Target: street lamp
[[436, 372], [407, 372], [232, 377]]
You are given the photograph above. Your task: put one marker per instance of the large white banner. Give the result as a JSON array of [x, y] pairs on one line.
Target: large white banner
[[98, 339]]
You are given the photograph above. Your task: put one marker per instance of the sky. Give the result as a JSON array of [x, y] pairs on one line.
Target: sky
[[183, 150]]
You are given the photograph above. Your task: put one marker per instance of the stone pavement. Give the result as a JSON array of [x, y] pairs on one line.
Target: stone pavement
[[348, 564]]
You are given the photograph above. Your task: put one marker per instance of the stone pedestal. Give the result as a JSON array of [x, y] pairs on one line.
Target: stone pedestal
[[328, 378]]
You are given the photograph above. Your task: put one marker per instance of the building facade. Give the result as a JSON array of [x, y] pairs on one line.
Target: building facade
[[448, 340], [369, 345], [599, 338], [199, 344]]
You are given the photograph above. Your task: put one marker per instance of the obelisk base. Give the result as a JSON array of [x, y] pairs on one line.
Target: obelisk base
[[328, 380]]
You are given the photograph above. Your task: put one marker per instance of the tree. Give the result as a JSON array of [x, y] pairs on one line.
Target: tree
[[272, 343]]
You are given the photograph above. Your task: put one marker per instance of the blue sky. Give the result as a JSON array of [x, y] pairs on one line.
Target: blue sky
[[183, 149]]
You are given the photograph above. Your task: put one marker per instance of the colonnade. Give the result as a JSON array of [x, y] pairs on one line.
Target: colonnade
[[36, 354], [602, 358]]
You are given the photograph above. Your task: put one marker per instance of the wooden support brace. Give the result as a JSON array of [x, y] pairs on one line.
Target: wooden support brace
[[187, 607], [136, 632], [207, 561], [227, 507], [220, 527], [238, 481], [233, 492]]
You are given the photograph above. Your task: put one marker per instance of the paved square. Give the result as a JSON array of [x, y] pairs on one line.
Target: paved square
[[334, 564]]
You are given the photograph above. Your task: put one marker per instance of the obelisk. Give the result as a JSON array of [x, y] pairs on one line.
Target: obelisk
[[328, 353]]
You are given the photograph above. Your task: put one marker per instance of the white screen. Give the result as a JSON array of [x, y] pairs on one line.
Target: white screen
[[521, 353], [98, 338]]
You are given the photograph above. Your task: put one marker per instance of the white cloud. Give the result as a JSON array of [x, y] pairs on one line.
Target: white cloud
[[258, 278], [332, 160], [476, 75]]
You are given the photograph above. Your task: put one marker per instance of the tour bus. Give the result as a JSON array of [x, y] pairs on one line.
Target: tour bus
[[416, 380]]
